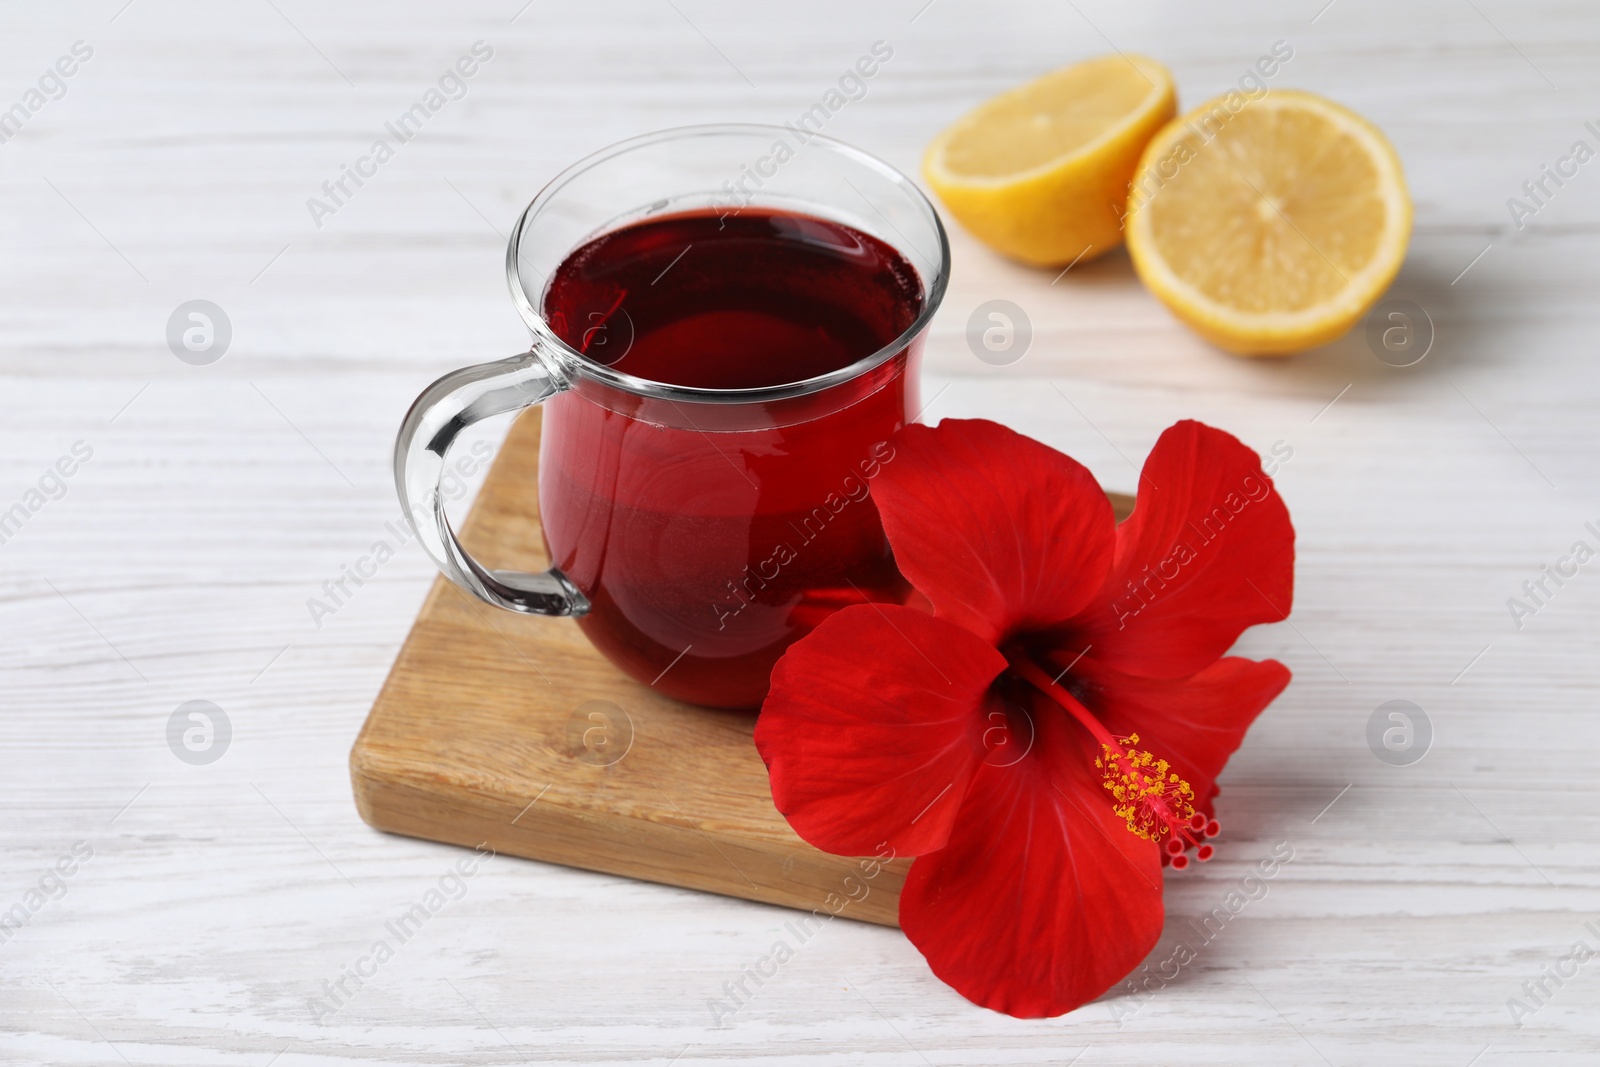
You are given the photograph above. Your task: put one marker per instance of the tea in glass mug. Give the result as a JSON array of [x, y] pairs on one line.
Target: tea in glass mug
[[721, 368]]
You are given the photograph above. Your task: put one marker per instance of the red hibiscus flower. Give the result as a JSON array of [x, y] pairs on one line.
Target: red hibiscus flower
[[1049, 737]]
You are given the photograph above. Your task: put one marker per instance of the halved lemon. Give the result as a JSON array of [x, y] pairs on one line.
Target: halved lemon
[[1041, 173], [1269, 225]]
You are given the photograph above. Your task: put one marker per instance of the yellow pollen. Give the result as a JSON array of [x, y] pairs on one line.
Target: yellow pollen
[[1146, 792]]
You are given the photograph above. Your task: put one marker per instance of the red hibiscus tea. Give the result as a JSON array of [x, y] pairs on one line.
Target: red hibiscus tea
[[706, 546], [719, 392]]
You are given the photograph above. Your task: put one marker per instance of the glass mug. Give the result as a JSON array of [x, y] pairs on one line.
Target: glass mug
[[695, 532]]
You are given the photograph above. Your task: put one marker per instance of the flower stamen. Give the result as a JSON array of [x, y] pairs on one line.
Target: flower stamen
[[1155, 801]]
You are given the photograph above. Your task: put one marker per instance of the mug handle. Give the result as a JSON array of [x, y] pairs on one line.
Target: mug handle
[[444, 409]]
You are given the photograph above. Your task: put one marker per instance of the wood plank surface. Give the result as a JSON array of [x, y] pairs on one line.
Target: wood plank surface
[[510, 731]]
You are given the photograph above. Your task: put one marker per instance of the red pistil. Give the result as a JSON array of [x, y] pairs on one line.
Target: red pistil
[[1153, 799]]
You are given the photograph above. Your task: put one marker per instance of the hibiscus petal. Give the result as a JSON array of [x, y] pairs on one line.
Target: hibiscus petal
[[1000, 532], [1043, 899], [873, 727], [1195, 723], [1207, 552]]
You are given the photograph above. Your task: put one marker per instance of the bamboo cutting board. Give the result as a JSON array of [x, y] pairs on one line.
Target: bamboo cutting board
[[510, 730]]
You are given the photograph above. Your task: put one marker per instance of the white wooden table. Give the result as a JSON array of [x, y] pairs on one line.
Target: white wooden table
[[175, 564]]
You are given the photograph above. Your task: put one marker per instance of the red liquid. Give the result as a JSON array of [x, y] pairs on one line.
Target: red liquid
[[728, 544]]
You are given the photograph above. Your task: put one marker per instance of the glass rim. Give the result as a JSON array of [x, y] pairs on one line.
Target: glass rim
[[573, 361]]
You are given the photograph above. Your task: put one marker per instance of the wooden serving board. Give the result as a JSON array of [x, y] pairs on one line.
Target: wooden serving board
[[512, 731]]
